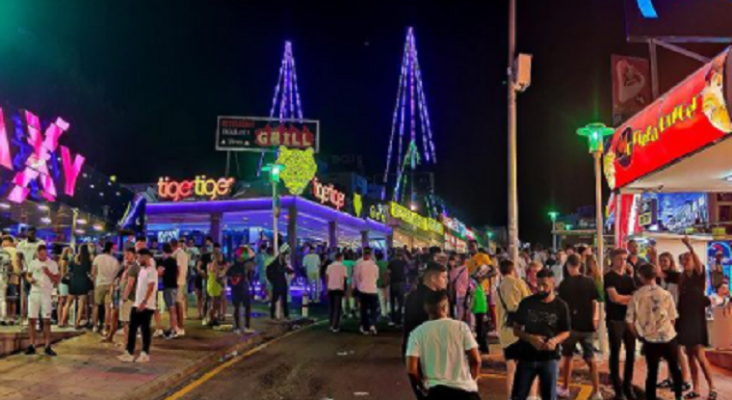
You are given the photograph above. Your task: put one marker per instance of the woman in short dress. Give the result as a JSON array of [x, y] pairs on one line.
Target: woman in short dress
[[692, 323], [80, 285], [63, 286]]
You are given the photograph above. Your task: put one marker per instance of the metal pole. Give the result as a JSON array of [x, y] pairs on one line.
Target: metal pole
[[512, 167], [654, 67], [600, 241], [554, 234], [275, 228]]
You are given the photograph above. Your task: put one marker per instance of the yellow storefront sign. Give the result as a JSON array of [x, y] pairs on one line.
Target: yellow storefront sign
[[426, 224]]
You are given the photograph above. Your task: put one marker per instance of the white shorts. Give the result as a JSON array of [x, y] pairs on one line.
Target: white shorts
[[39, 304]]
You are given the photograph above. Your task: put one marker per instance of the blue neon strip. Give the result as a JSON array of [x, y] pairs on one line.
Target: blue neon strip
[[647, 9]]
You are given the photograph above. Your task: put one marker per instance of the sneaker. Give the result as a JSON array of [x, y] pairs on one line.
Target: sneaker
[[143, 358], [563, 393], [158, 333], [336, 330], [364, 331], [171, 335], [392, 323], [49, 352], [204, 322], [126, 357], [596, 396], [31, 350], [373, 331], [237, 332], [249, 331]]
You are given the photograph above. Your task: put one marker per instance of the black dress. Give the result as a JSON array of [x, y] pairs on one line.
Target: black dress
[[691, 325], [80, 284]]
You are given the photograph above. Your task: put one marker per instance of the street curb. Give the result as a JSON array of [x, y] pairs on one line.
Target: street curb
[[160, 388]]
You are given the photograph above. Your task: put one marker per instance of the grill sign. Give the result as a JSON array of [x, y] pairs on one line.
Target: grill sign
[[265, 134]]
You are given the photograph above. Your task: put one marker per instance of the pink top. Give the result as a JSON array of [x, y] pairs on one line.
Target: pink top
[[460, 277]]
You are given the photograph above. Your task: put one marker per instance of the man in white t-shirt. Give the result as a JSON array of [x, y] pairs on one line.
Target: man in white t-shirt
[[42, 275], [181, 259], [436, 354], [336, 275], [365, 278], [143, 308], [311, 262], [104, 272], [29, 246]]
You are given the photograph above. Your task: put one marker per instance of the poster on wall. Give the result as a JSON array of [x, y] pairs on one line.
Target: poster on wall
[[693, 115], [631, 86], [260, 134]]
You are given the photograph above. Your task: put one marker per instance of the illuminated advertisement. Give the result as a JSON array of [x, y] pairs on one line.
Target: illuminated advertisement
[[266, 134], [198, 187], [690, 117], [677, 212], [41, 168], [426, 224], [328, 194]]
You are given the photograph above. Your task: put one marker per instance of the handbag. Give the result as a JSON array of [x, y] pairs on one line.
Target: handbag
[[510, 315]]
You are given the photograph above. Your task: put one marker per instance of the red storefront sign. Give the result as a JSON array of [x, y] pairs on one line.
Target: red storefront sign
[[693, 115]]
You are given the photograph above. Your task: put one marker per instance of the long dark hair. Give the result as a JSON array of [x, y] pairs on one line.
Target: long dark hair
[[84, 257]]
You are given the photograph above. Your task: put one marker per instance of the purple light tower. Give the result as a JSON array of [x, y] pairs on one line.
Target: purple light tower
[[411, 104]]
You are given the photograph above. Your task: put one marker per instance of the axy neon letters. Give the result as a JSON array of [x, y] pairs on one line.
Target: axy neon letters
[[328, 194], [199, 187], [35, 168]]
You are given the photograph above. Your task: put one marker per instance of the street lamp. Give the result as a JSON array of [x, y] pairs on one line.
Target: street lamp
[[553, 215], [274, 178], [595, 134]]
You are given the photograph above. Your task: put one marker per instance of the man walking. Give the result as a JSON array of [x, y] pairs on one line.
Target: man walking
[[366, 275], [181, 305], [580, 293], [104, 271], [336, 275], [397, 278], [311, 262], [240, 275], [619, 288], [169, 267], [42, 276], [542, 324], [143, 308], [442, 356], [651, 317], [434, 278], [277, 275]]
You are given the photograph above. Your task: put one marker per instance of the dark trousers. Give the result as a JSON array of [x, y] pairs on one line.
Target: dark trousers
[[369, 309], [670, 352], [527, 371], [396, 296], [335, 298], [480, 332], [619, 335], [279, 294], [239, 300], [141, 320], [448, 393]]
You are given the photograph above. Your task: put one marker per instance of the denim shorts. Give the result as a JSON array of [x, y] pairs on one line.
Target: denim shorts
[[584, 339], [170, 296]]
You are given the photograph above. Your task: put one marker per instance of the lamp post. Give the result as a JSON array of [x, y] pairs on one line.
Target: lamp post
[[553, 215], [595, 134], [274, 178]]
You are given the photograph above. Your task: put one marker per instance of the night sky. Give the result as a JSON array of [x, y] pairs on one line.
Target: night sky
[[142, 84]]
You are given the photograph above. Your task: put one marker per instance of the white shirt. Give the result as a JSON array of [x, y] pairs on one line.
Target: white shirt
[[337, 274], [43, 283], [311, 262], [107, 268], [441, 346], [193, 254], [181, 258], [653, 312], [29, 249], [366, 274], [147, 276]]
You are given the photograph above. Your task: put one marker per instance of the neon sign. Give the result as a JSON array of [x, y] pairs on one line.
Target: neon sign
[[328, 194], [300, 168], [426, 224], [199, 187], [647, 9], [35, 167], [377, 212]]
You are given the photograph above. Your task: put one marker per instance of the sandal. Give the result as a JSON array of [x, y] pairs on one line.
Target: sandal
[[665, 384], [692, 395], [712, 395], [686, 386]]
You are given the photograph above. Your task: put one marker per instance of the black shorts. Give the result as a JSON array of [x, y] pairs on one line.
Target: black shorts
[[512, 352], [241, 298], [584, 339]]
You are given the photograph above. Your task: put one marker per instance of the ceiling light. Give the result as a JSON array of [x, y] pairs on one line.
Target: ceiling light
[[98, 227], [43, 207], [5, 205], [81, 221], [46, 220], [80, 231]]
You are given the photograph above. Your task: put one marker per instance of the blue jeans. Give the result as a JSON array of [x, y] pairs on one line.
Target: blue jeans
[[527, 371]]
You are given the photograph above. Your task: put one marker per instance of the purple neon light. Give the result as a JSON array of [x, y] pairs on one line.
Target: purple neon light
[[5, 158]]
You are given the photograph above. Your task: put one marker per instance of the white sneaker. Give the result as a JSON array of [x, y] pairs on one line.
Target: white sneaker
[[237, 332], [562, 393], [204, 322], [596, 396], [364, 332], [126, 357], [158, 333], [249, 331], [143, 358], [373, 331]]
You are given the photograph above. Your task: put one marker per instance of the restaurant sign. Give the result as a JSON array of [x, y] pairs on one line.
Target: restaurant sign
[[198, 187], [328, 194], [410, 217], [260, 134], [690, 117]]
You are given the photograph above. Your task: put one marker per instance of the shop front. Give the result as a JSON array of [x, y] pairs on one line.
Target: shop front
[[414, 230]]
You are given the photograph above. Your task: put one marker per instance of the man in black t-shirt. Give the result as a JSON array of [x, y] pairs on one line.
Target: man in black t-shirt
[[396, 271], [619, 288], [580, 294], [169, 268], [542, 323]]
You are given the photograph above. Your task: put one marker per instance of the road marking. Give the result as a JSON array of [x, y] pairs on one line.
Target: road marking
[[584, 390], [207, 376]]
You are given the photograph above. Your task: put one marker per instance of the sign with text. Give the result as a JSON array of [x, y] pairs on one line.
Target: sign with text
[[402, 213], [328, 194], [688, 118], [196, 188], [260, 134]]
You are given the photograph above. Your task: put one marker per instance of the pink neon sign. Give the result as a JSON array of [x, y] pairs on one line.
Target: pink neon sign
[[36, 165]]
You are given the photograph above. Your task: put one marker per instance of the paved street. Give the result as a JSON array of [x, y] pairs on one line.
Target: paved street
[[316, 364]]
